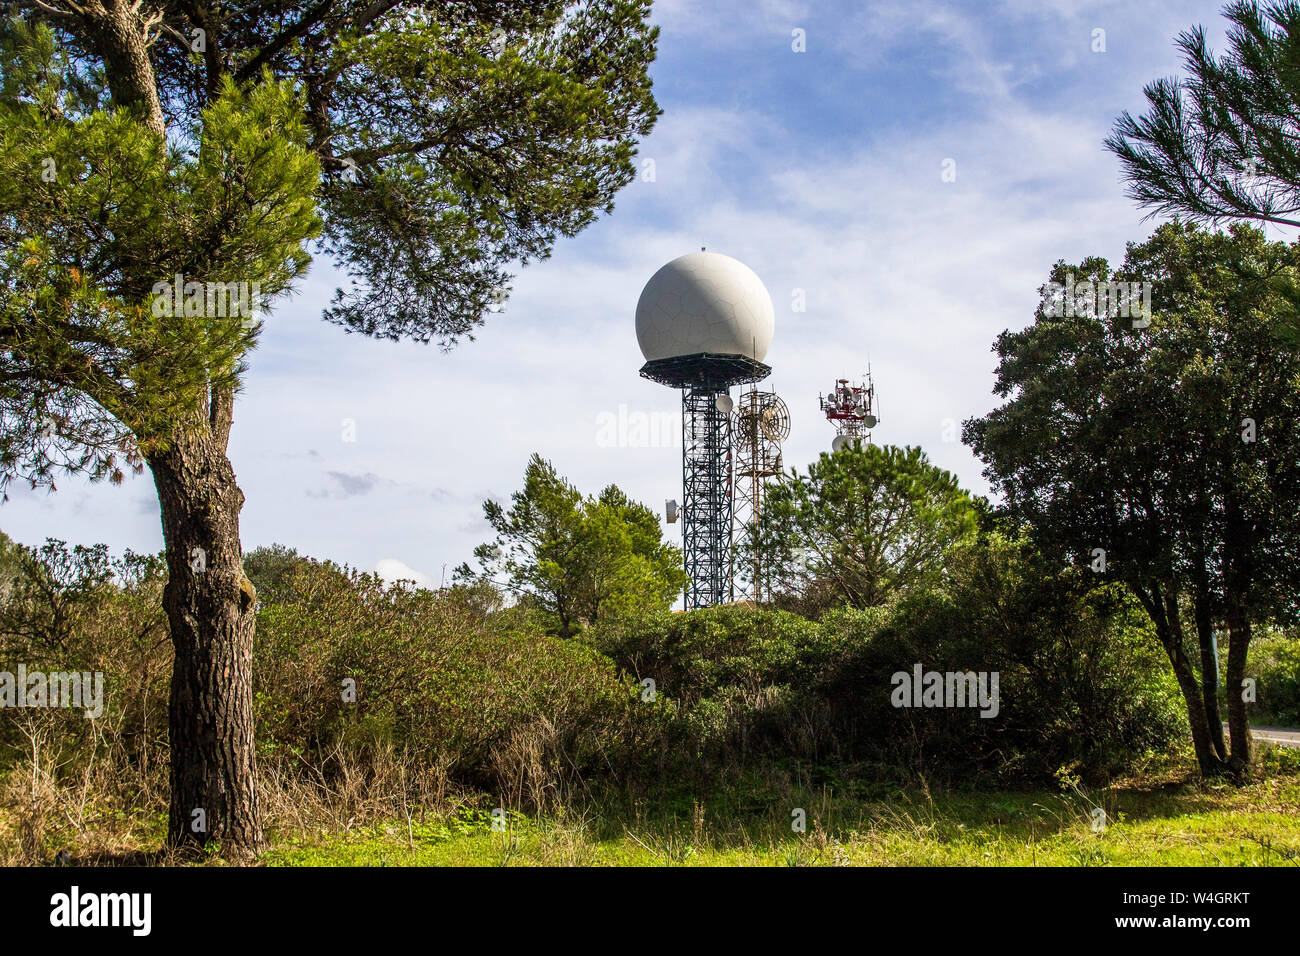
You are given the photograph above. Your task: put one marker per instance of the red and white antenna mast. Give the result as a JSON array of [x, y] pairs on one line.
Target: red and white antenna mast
[[851, 408]]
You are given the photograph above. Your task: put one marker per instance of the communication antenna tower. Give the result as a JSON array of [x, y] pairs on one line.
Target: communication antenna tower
[[851, 408], [760, 424]]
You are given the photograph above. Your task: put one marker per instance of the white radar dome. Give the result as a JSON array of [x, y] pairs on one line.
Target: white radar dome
[[704, 302]]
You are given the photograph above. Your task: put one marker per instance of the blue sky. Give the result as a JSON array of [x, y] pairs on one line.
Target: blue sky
[[820, 169]]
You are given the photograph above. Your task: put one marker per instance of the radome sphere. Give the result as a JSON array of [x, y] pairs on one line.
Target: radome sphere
[[704, 302]]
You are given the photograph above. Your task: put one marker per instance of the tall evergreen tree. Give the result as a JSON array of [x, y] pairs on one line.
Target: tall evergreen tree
[[1220, 144], [580, 559], [863, 523], [430, 147], [1166, 457]]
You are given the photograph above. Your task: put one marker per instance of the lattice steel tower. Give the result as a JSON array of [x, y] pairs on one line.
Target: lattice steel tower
[[760, 423], [704, 323]]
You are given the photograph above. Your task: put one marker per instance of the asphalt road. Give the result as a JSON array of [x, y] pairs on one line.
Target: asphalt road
[[1274, 735]]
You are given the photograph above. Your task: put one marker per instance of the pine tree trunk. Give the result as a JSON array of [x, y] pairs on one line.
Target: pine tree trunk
[[121, 40], [210, 604], [1209, 669], [211, 608], [1238, 622]]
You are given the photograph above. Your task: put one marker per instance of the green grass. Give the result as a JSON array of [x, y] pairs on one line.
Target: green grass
[[1164, 816], [1160, 823]]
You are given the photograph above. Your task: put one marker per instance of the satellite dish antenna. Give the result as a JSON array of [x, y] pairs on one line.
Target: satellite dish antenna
[[774, 420], [839, 442], [724, 403], [870, 421]]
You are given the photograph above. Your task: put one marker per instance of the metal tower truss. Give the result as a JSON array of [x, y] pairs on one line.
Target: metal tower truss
[[706, 511], [707, 501], [760, 423]]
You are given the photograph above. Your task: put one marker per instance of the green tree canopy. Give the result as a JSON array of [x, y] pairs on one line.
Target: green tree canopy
[[93, 374], [1168, 456], [581, 559], [862, 524], [431, 148]]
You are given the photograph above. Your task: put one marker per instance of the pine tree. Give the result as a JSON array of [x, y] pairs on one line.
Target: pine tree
[[1221, 144], [429, 148]]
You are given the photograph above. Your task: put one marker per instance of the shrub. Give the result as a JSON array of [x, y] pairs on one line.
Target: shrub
[[1274, 662], [739, 676], [74, 609], [1079, 682], [433, 676]]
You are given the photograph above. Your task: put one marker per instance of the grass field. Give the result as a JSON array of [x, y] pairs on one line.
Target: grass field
[[1164, 817], [1167, 822]]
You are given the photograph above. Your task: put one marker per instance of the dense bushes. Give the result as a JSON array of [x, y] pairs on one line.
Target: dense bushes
[[738, 677], [396, 696], [1079, 684], [489, 697], [451, 696], [1275, 664], [698, 655], [75, 609]]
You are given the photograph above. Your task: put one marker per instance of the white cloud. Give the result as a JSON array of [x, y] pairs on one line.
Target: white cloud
[[916, 274], [391, 570]]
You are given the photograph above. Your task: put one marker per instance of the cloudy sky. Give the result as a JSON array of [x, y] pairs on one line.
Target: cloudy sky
[[822, 170]]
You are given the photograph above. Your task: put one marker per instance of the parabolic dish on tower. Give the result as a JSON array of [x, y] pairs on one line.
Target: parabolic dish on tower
[[704, 302]]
